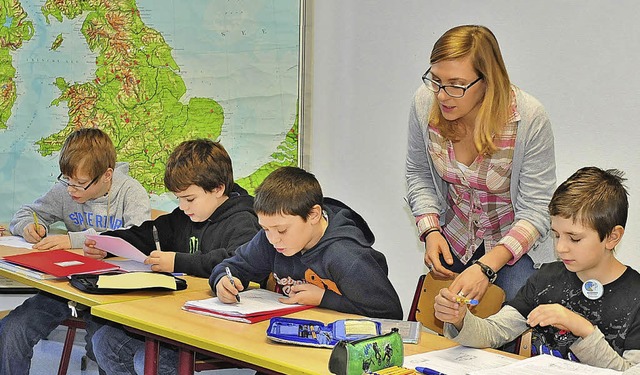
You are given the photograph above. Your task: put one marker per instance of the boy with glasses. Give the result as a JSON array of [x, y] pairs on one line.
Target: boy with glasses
[[94, 194]]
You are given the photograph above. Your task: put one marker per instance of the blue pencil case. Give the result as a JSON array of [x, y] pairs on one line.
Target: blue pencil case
[[315, 333]]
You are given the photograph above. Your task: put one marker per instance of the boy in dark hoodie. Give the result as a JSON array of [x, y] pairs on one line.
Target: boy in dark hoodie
[[318, 249], [93, 194], [214, 216]]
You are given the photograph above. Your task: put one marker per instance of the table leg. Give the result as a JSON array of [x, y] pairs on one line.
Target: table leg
[[151, 350], [186, 359]]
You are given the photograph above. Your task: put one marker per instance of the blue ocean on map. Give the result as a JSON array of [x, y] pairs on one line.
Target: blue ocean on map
[[243, 54]]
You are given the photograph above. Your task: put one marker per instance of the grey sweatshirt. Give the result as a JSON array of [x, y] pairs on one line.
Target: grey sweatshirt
[[126, 204]]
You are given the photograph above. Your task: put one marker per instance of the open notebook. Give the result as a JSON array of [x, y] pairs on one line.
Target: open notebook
[[255, 305]]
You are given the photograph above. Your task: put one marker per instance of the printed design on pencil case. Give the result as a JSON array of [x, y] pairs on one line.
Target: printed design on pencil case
[[374, 354], [311, 277], [552, 341]]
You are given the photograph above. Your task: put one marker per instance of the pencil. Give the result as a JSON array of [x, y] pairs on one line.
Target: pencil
[[35, 220]]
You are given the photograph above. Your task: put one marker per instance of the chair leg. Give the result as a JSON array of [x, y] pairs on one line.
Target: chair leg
[[66, 350]]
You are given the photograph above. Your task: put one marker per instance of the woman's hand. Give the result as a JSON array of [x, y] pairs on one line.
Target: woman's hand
[[471, 282], [436, 244]]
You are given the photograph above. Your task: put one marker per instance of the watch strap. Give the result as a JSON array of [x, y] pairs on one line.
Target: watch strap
[[488, 271]]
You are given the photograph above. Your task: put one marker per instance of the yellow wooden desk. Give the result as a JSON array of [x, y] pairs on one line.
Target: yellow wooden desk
[[161, 319], [62, 288]]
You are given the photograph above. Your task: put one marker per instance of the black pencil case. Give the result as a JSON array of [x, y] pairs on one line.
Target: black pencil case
[[315, 333], [88, 283]]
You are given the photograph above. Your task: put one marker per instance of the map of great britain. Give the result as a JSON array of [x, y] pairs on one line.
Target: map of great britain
[[151, 73]]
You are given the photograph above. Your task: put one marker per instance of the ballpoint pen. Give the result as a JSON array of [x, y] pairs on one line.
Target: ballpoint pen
[[428, 371], [228, 271], [156, 239]]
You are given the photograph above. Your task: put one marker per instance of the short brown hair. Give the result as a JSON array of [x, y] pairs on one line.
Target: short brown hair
[[200, 162], [594, 197], [288, 191], [89, 150]]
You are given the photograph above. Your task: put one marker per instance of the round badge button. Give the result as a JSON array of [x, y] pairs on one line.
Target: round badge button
[[592, 289]]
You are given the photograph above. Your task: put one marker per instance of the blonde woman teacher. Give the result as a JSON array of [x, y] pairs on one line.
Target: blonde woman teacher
[[480, 168]]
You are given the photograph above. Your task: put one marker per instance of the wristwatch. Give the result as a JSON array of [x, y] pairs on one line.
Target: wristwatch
[[488, 272]]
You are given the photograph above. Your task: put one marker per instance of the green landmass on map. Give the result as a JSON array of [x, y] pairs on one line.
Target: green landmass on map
[[286, 154], [135, 95], [57, 42], [14, 30]]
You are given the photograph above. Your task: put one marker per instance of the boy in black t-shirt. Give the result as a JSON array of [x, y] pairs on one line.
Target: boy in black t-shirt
[[584, 307]]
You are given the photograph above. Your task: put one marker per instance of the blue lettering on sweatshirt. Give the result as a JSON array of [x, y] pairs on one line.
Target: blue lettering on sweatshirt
[[89, 219]]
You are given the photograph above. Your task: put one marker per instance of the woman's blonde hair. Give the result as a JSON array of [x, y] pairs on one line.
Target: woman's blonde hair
[[480, 45]]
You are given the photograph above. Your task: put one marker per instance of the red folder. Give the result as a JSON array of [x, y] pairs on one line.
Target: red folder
[[60, 263]]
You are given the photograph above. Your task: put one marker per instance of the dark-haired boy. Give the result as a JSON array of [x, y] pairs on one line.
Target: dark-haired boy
[[318, 249], [214, 216], [585, 307]]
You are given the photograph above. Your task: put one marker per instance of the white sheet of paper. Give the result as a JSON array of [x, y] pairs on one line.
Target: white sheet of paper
[[117, 246], [251, 301], [459, 360], [15, 241], [129, 265], [545, 365]]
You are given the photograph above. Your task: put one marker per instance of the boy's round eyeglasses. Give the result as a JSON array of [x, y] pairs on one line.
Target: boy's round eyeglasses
[[454, 91], [65, 181]]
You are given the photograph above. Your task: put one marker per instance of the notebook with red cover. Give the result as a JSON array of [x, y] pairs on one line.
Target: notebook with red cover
[[255, 305], [60, 263]]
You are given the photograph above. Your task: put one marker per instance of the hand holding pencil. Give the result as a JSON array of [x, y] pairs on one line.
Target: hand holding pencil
[[34, 233]]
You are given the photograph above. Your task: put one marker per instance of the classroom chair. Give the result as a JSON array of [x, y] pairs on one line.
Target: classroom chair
[[72, 325], [423, 299], [523, 344]]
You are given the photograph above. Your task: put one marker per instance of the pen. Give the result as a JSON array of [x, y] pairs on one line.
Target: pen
[[228, 271], [428, 371], [178, 274], [156, 239], [468, 301]]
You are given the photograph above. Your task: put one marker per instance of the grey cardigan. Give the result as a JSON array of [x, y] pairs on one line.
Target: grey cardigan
[[533, 174]]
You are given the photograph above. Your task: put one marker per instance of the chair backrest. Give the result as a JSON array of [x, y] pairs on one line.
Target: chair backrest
[[155, 213], [422, 306]]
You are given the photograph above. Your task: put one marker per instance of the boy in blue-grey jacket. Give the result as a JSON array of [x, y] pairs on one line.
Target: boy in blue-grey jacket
[[93, 194], [318, 249]]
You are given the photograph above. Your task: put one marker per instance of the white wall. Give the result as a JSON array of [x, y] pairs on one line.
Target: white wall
[[365, 59]]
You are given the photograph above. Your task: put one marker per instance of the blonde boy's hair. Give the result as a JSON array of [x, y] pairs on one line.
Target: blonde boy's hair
[[593, 197], [479, 45], [87, 150]]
